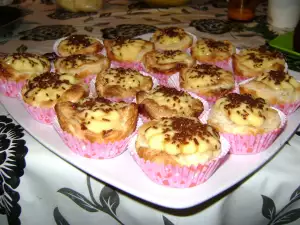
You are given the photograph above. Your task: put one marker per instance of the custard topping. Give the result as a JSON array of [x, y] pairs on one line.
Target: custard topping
[[182, 135]]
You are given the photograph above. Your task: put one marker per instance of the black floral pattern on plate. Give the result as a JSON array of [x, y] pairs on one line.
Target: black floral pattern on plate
[[65, 15], [12, 162], [127, 30], [50, 32], [212, 26]]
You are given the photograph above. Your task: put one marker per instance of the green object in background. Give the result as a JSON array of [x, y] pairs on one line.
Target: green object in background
[[284, 43]]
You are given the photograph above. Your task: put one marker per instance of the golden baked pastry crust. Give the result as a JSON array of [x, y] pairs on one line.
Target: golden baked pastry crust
[[207, 80], [47, 89], [79, 44], [97, 120], [122, 83], [177, 141], [276, 87], [21, 66], [167, 62], [244, 115], [171, 38], [212, 51], [81, 65], [127, 50], [166, 102], [253, 62]]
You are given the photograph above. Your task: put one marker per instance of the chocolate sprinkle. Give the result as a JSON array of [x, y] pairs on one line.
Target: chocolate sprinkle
[[186, 129], [168, 91], [79, 39], [278, 76], [45, 81], [206, 69], [218, 45], [235, 100]]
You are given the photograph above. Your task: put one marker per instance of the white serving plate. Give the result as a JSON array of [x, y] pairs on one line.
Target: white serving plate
[[122, 172]]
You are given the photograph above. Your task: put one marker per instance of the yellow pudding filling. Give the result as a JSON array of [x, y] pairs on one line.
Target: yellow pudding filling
[[27, 63], [184, 138]]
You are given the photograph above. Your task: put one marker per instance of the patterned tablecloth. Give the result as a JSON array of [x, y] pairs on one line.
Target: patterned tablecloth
[[37, 187]]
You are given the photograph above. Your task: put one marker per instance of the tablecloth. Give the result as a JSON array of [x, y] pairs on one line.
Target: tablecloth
[[38, 187]]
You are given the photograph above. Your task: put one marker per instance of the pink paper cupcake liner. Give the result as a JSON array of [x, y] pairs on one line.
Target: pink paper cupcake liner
[[136, 65], [89, 78], [93, 150], [252, 144], [11, 88], [288, 108], [41, 115], [166, 80], [180, 176], [144, 118]]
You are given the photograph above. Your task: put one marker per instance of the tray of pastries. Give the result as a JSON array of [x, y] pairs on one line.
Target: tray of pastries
[[168, 117]]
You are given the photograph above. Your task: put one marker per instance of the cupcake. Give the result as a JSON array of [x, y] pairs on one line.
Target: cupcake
[[249, 63], [40, 94], [249, 124], [172, 38], [208, 81], [127, 53], [277, 88], [167, 102], [178, 152], [119, 84], [77, 44], [96, 127], [165, 65], [213, 52], [82, 66], [16, 68]]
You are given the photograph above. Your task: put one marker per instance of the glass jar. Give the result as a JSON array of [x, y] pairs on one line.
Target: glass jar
[[80, 5], [242, 10]]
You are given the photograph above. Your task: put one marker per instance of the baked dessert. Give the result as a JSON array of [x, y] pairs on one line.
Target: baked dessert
[[122, 83], [206, 80], [47, 89], [242, 114], [172, 38], [127, 53], [178, 141], [277, 88], [253, 62], [167, 62], [167, 102], [81, 66], [249, 124], [42, 92], [79, 44], [21, 66], [211, 51], [16, 68], [97, 119]]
